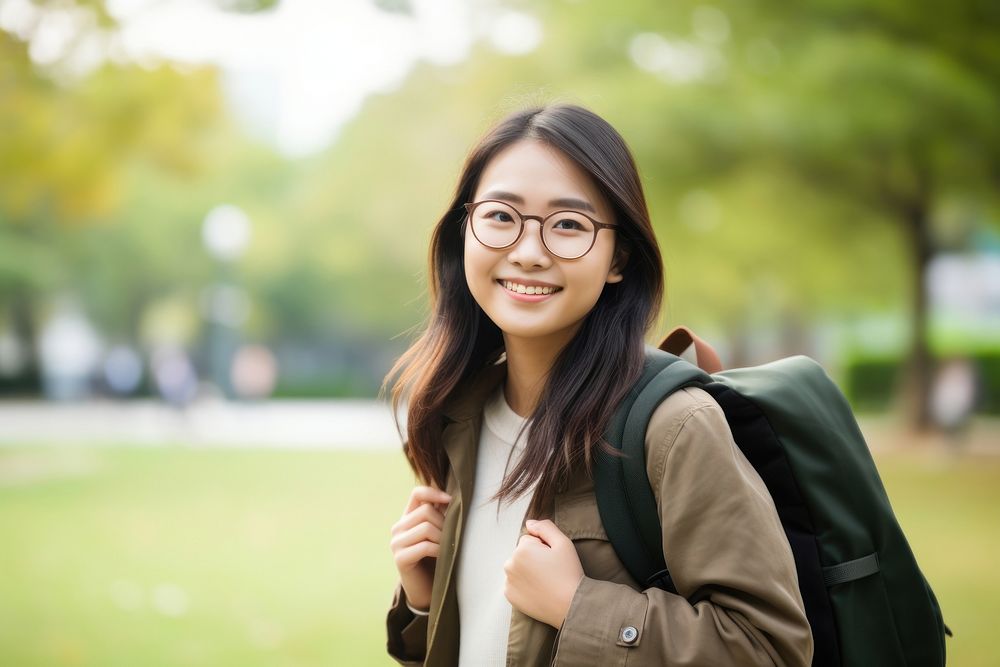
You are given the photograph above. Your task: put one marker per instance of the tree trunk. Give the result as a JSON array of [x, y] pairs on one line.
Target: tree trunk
[[22, 318], [918, 373]]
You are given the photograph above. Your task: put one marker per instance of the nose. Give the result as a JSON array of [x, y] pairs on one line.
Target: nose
[[529, 251]]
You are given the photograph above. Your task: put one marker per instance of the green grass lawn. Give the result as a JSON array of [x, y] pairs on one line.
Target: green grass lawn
[[158, 556]]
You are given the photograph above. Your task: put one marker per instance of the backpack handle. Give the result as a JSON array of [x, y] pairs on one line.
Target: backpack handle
[[679, 339]]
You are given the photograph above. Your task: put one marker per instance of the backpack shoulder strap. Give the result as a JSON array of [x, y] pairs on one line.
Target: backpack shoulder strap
[[625, 498]]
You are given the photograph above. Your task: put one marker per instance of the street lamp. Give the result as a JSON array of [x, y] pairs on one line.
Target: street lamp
[[226, 234]]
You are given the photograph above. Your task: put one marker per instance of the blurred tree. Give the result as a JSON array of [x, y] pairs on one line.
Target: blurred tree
[[888, 106], [394, 167], [884, 110], [799, 148], [787, 153], [68, 143]]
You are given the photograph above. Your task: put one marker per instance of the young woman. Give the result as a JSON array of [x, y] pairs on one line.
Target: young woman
[[545, 277]]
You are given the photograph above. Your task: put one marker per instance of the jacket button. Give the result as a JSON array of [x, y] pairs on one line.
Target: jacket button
[[629, 634]]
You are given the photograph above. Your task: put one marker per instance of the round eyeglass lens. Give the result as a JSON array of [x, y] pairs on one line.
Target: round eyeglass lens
[[566, 233]]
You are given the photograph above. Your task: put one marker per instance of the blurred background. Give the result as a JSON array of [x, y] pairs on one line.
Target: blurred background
[[214, 220]]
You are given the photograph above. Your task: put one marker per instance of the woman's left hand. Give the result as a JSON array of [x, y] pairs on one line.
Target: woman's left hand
[[543, 573]]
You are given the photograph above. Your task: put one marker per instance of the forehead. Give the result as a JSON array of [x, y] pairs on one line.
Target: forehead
[[538, 173]]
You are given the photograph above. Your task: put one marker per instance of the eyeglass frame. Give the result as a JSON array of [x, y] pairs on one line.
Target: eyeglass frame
[[598, 226]]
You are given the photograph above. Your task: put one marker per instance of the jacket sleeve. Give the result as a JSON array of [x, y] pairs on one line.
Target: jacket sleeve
[[407, 632], [739, 601]]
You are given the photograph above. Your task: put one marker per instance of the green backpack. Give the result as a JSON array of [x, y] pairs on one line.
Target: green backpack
[[865, 597]]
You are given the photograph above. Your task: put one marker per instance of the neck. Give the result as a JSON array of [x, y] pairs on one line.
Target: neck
[[529, 361]]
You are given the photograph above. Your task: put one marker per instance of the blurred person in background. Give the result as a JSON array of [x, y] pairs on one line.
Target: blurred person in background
[[175, 376], [953, 398]]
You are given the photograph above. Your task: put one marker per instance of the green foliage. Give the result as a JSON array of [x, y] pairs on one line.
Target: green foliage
[[66, 146], [784, 179], [807, 160], [73, 149], [989, 382], [870, 382]]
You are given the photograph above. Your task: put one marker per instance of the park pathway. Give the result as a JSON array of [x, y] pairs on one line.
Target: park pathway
[[320, 424], [325, 424]]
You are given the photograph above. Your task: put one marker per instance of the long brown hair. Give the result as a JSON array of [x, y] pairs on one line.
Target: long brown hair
[[593, 372]]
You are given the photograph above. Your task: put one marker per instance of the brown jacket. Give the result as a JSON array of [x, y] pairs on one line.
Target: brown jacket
[[739, 601]]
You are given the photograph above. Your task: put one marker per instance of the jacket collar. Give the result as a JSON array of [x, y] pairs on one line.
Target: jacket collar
[[465, 411], [468, 398]]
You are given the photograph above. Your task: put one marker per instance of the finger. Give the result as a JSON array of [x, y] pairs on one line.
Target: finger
[[528, 539], [415, 553], [425, 512], [426, 494], [546, 530], [419, 533]]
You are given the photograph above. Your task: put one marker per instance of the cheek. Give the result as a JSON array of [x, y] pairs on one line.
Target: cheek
[[465, 259], [469, 261], [591, 278], [588, 292], [477, 265], [588, 283]]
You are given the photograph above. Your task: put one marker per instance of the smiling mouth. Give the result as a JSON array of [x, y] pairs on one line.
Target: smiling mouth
[[530, 290]]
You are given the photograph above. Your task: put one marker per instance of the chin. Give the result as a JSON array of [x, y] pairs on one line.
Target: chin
[[519, 330]]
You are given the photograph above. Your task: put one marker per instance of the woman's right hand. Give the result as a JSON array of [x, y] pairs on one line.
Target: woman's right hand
[[416, 543]]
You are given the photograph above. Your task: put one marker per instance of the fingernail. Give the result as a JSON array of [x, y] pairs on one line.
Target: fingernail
[[530, 522]]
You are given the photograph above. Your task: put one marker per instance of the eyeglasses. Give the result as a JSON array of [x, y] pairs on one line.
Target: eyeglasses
[[565, 234]]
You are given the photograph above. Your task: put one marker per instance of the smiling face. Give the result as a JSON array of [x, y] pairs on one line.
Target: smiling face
[[532, 175]]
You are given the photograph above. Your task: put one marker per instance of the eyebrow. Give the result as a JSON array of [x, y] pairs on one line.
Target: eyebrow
[[572, 202]]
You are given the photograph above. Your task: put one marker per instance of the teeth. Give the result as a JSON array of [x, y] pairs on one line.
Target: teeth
[[529, 289]]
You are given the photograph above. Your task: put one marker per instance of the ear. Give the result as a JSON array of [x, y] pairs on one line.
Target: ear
[[621, 259]]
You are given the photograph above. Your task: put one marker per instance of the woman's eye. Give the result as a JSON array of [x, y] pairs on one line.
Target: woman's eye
[[500, 216], [569, 224]]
